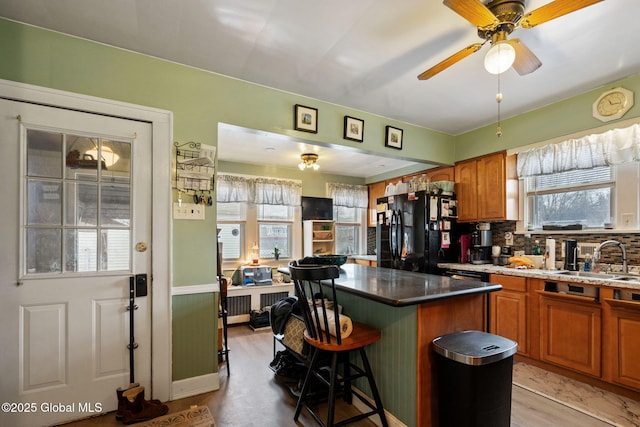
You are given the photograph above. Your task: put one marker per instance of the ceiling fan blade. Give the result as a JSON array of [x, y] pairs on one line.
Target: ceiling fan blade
[[443, 65], [553, 10], [473, 11], [526, 61]]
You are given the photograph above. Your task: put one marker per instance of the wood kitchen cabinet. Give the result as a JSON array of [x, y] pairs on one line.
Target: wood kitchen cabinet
[[466, 174], [377, 189], [508, 310], [487, 188], [444, 173], [570, 330], [621, 349]]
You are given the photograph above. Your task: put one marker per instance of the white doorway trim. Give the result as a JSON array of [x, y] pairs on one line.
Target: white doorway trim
[[162, 128]]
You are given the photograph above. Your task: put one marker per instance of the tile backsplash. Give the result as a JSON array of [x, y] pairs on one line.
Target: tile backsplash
[[610, 255]]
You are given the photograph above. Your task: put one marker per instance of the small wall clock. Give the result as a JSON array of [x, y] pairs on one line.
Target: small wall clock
[[613, 104]]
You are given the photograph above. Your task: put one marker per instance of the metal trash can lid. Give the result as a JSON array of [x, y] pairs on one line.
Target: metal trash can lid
[[474, 347]]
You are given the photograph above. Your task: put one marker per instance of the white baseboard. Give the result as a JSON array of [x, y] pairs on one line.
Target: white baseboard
[[193, 386], [391, 420]]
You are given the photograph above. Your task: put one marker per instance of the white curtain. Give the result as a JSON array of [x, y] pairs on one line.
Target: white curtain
[[604, 149], [348, 195], [271, 191], [258, 190]]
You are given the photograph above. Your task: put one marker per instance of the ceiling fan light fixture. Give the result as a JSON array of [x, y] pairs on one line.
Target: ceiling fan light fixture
[[308, 160], [499, 58]]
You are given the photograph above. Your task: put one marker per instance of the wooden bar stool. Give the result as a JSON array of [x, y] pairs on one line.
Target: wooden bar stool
[[320, 321]]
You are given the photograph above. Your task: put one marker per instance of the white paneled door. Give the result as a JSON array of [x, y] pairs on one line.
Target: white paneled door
[[76, 226]]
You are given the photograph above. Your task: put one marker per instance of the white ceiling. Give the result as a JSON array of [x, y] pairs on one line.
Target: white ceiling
[[363, 54]]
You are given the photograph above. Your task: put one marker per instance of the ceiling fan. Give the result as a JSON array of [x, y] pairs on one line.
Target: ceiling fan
[[496, 21]]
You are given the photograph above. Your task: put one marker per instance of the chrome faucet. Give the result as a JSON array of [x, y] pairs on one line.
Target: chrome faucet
[[596, 253]]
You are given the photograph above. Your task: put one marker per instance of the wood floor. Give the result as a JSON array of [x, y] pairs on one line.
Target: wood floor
[[251, 396]]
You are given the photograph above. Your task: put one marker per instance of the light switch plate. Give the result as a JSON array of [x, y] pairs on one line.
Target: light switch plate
[[188, 211]]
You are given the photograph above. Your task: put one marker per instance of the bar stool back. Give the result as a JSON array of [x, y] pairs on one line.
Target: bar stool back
[[316, 285]]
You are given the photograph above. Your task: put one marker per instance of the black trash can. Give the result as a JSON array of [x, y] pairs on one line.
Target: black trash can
[[473, 379]]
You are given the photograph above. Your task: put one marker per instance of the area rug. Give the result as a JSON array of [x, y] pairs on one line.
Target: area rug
[[608, 407], [196, 416]]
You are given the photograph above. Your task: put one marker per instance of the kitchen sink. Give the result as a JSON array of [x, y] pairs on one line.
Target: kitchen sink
[[604, 276], [629, 278], [587, 274]]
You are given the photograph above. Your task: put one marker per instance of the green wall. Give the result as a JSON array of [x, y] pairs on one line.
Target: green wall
[[561, 118], [200, 100]]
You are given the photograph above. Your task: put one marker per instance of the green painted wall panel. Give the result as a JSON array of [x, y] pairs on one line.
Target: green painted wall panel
[[393, 358], [195, 331]]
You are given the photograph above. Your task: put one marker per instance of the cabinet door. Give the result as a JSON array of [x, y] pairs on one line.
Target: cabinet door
[[491, 187], [624, 332], [441, 174], [466, 187], [508, 310], [570, 332]]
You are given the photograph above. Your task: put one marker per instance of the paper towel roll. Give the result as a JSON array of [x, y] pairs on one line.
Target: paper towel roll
[[346, 326], [551, 254]]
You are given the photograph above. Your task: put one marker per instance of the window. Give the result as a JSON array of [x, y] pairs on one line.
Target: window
[[274, 230], [231, 223], [349, 229], [584, 196], [269, 226]]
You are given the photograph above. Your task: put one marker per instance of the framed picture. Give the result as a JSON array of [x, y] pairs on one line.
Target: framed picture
[[353, 129], [393, 138], [305, 119]]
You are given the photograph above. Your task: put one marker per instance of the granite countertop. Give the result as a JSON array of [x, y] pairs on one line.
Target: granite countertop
[[403, 288], [543, 274]]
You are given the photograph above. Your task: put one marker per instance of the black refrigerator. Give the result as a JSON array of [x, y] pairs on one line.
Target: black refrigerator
[[416, 231]]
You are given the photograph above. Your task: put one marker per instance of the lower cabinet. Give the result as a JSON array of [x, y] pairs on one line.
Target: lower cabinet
[[623, 331], [508, 310], [570, 332], [592, 331]]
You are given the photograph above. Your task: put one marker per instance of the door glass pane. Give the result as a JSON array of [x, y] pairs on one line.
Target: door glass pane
[[44, 250], [80, 250], [81, 200], [44, 154], [114, 250], [44, 202], [117, 158], [93, 197], [115, 207], [82, 158]]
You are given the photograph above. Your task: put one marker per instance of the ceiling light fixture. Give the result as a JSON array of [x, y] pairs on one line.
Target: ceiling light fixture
[[107, 155], [501, 55], [309, 161]]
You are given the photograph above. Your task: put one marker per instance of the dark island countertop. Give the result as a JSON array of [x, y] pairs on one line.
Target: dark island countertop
[[402, 288]]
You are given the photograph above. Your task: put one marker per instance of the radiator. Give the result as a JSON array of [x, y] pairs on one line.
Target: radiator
[[270, 299], [239, 305]]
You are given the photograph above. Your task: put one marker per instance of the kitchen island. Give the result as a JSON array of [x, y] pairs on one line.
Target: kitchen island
[[411, 309]]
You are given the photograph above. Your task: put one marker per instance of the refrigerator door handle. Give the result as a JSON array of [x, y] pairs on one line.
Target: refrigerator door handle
[[400, 236], [392, 237]]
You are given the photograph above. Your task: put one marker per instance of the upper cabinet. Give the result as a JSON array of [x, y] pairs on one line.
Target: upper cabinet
[[487, 188], [377, 189]]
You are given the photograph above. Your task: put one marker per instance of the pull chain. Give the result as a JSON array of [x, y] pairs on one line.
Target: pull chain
[[499, 100]]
